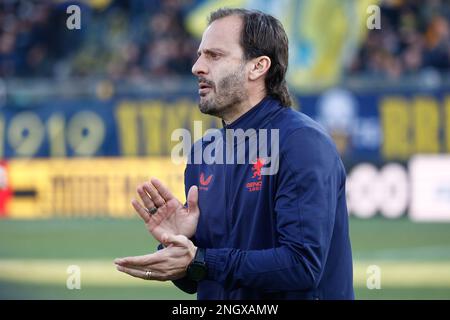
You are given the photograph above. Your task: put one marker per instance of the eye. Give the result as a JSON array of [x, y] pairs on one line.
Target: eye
[[214, 55]]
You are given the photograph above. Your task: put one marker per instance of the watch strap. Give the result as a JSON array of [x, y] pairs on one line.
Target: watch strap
[[200, 255]]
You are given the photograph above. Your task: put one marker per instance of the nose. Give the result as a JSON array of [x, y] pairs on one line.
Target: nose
[[199, 68]]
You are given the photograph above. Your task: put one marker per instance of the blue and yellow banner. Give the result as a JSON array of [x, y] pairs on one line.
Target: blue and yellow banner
[[323, 34], [370, 126]]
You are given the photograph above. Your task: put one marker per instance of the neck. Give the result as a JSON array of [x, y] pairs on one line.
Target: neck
[[241, 108]]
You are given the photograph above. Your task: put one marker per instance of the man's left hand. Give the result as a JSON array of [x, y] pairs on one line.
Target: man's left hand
[[169, 263]]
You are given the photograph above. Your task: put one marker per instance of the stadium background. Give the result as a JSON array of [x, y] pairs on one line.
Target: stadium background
[[86, 114]]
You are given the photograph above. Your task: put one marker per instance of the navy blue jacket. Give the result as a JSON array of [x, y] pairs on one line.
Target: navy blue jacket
[[281, 236]]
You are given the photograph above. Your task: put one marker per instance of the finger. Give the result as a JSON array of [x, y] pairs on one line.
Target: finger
[[148, 203], [142, 274], [137, 273], [154, 194], [132, 272], [163, 190], [192, 199], [143, 213], [177, 240], [140, 261]]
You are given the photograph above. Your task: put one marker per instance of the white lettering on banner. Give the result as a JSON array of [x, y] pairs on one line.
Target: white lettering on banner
[[430, 188], [424, 189], [370, 190], [394, 187], [362, 199]]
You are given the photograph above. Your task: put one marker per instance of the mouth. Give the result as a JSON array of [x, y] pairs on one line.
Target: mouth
[[203, 88]]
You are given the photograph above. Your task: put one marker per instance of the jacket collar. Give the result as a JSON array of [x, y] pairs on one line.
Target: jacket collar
[[257, 116]]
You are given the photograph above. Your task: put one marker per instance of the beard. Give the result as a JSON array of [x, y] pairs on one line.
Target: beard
[[229, 92]]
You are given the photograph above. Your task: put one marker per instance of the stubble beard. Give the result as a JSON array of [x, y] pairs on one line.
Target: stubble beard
[[230, 92]]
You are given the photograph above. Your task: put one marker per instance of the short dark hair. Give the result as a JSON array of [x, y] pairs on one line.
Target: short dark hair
[[263, 35]]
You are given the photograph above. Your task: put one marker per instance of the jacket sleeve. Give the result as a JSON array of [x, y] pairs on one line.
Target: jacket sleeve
[[308, 180], [186, 285]]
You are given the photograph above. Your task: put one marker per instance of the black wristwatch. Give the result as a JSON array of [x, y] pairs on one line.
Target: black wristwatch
[[197, 269]]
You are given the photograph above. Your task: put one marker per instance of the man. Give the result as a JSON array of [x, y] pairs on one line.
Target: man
[[244, 235]]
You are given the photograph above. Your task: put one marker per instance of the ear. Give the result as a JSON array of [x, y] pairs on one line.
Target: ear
[[259, 67]]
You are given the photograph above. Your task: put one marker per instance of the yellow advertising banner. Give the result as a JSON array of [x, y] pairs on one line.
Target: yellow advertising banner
[[85, 187]]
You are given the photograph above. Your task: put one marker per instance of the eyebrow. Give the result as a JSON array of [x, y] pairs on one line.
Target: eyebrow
[[212, 50]]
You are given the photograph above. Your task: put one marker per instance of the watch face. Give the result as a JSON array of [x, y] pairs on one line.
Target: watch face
[[197, 272]]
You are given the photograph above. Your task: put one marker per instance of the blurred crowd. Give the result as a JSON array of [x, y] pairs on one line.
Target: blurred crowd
[[141, 38], [414, 38], [118, 38]]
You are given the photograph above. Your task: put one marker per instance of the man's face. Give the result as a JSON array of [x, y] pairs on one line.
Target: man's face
[[220, 68]]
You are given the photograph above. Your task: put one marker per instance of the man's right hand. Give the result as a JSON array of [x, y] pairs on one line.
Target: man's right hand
[[172, 217]]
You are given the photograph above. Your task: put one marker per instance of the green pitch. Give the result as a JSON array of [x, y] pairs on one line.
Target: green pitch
[[414, 259]]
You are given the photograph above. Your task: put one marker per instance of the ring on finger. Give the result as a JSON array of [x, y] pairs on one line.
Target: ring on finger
[[152, 210]]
